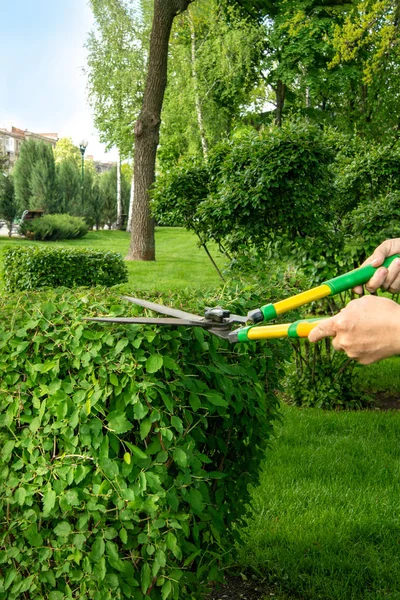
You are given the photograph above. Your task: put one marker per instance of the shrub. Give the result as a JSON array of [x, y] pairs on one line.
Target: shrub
[[30, 268], [54, 227], [365, 174], [268, 186], [126, 452], [320, 377]]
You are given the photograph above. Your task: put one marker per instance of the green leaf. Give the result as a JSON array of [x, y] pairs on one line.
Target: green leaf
[[118, 422], [145, 427], [11, 575], [166, 589], [194, 402], [136, 451], [196, 501], [123, 534], [49, 500], [177, 423], [20, 495], [145, 577], [154, 363], [98, 549], [216, 399], [7, 449], [33, 536], [63, 529], [113, 379], [180, 457]]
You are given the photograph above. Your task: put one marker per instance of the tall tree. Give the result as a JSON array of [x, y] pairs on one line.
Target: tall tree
[[8, 206], [369, 37], [116, 64], [65, 149], [215, 56], [35, 177], [147, 127], [69, 182]]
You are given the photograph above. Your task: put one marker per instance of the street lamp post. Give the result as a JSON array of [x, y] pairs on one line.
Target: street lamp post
[[82, 147]]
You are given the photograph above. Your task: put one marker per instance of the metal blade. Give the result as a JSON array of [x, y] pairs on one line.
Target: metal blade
[[164, 310], [152, 321], [237, 319]]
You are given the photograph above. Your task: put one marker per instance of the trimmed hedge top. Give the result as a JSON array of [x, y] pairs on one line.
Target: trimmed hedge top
[[30, 268]]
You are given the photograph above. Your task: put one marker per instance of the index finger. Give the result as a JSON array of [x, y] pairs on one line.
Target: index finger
[[325, 328]]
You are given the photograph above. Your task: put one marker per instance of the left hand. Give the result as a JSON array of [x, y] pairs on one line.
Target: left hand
[[367, 329]]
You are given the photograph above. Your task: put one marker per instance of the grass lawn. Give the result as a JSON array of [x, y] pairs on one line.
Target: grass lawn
[[326, 518], [180, 263]]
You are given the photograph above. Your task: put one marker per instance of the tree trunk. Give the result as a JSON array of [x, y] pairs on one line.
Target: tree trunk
[[130, 211], [280, 101], [142, 246], [119, 200], [199, 111]]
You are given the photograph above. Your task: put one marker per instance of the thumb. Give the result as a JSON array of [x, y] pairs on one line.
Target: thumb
[[325, 328]]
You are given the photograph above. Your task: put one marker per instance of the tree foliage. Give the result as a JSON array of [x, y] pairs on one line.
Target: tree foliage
[[8, 206], [35, 177]]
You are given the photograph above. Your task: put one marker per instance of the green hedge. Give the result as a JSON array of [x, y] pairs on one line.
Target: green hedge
[[126, 451], [54, 227], [30, 268]]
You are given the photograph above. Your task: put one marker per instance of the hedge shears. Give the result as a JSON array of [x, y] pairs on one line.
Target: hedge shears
[[219, 321]]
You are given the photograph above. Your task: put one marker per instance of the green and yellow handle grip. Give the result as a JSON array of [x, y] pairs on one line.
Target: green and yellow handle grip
[[298, 329], [328, 288]]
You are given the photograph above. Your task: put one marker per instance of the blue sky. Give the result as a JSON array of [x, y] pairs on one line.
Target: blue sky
[[42, 87]]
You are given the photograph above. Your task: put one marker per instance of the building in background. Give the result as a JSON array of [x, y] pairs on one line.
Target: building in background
[[100, 166], [12, 138]]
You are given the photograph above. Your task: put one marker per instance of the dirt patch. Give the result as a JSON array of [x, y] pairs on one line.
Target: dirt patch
[[386, 401], [237, 588]]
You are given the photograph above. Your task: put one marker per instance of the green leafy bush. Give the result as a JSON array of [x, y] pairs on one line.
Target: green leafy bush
[[54, 227], [320, 377], [125, 450], [30, 268], [371, 223], [267, 186], [366, 173]]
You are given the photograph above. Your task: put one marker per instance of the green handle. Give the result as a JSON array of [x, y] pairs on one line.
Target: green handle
[[357, 277]]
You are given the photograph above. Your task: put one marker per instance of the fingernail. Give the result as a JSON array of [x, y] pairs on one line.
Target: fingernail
[[375, 261]]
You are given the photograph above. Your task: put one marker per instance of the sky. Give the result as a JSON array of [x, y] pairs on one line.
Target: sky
[[42, 57]]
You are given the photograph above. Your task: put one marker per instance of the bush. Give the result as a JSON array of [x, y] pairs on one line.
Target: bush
[[54, 227], [365, 174], [126, 451], [30, 268], [268, 186], [320, 377]]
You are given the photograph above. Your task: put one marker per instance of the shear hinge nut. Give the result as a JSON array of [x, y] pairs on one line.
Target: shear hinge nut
[[217, 314]]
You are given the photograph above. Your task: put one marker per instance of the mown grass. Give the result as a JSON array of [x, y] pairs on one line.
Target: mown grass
[[381, 377], [326, 517], [180, 263]]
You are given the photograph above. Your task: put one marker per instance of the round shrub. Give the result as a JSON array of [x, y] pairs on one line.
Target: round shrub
[[126, 451], [54, 227]]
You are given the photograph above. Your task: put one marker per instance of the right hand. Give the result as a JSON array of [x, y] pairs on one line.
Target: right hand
[[387, 279]]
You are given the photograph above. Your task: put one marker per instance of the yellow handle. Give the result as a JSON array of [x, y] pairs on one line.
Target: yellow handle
[[293, 330]]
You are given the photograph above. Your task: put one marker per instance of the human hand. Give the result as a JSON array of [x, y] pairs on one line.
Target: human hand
[[367, 329], [387, 279]]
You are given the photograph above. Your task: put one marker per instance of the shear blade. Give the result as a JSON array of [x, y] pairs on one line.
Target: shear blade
[[164, 310], [151, 321]]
